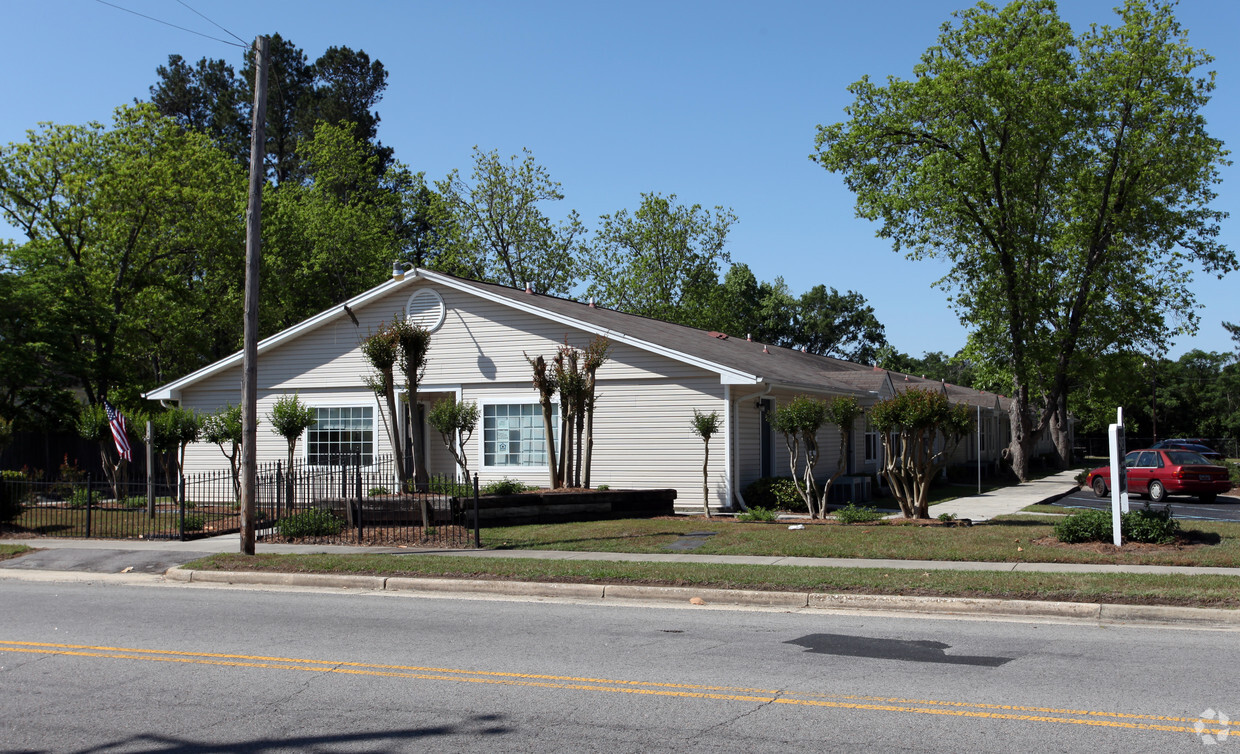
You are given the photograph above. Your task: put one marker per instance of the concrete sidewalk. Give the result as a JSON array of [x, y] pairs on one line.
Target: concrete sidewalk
[[1008, 500], [106, 556]]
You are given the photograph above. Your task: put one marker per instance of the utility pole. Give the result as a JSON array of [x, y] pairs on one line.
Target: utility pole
[[253, 252]]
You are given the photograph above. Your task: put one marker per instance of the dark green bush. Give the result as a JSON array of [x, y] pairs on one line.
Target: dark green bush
[[1233, 471], [315, 522], [194, 523], [506, 486], [756, 514], [1148, 525], [775, 492], [79, 497], [11, 491], [852, 514], [446, 486], [377, 491], [1085, 526], [1144, 525]]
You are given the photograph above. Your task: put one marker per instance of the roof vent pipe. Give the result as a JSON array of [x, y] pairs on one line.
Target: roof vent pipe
[[765, 349], [528, 289], [749, 336], [591, 302]]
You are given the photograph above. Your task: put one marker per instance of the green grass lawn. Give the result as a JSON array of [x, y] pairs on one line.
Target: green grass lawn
[[108, 522], [1008, 539], [12, 551], [1197, 591]]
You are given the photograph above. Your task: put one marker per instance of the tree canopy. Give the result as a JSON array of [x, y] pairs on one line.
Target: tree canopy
[[1068, 179]]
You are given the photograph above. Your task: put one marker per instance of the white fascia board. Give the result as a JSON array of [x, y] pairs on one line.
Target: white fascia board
[[727, 375], [172, 391]]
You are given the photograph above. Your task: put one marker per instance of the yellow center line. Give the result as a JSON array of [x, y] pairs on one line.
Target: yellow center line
[[648, 688]]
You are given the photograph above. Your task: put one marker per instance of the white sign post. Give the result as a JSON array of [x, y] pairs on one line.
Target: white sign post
[[1119, 474]]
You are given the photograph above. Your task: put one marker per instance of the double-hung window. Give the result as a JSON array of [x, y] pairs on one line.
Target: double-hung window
[[513, 434], [341, 433], [872, 442]]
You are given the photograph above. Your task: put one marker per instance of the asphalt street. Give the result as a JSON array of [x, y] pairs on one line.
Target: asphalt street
[[166, 668], [1186, 507]]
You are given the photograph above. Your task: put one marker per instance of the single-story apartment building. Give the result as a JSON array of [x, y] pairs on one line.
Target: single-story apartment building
[[656, 376]]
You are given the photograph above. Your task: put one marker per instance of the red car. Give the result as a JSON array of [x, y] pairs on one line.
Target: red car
[[1158, 473]]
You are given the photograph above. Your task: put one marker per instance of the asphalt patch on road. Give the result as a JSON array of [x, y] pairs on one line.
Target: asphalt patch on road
[[891, 649], [100, 561]]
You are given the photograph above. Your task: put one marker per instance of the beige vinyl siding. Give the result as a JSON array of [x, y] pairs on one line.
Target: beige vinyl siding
[[828, 447], [480, 341], [270, 447], [643, 437]]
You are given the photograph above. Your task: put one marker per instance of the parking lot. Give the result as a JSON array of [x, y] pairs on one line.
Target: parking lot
[[1186, 507]]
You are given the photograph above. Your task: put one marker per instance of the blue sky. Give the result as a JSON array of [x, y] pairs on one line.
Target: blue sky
[[715, 102]]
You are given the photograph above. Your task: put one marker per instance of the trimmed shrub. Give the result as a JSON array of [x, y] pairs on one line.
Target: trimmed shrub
[[195, 523], [377, 491], [314, 522], [1085, 526], [446, 486], [775, 492], [756, 514], [853, 514], [1146, 525], [506, 486]]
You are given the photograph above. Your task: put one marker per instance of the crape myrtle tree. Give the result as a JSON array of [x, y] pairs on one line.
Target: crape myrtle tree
[[545, 384], [706, 426], [290, 418], [1067, 178], [799, 422], [92, 424], [455, 421], [574, 373], [381, 349], [499, 233], [920, 431], [173, 430], [223, 428]]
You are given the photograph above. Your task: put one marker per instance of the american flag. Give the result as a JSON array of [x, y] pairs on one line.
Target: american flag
[[116, 420]]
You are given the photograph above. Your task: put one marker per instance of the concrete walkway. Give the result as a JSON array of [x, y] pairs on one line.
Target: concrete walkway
[[1008, 500]]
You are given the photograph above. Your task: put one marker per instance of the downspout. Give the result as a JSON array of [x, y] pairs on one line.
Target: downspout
[[734, 441]]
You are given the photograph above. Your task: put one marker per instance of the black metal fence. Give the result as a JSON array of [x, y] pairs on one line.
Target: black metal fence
[[343, 502]]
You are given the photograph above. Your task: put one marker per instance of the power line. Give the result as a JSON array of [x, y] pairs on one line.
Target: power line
[[221, 28], [182, 28]]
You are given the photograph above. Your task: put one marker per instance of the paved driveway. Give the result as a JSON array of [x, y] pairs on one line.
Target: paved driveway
[[1225, 508]]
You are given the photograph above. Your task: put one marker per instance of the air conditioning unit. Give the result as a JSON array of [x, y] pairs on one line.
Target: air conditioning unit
[[851, 489]]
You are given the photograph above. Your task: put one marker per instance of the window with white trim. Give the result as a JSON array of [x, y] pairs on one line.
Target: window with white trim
[[513, 434], [341, 432], [872, 442]]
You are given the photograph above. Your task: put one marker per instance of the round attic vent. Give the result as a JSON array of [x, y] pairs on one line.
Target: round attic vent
[[426, 309]]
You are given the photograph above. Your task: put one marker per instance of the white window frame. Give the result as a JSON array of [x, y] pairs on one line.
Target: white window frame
[[377, 435], [877, 438], [510, 400]]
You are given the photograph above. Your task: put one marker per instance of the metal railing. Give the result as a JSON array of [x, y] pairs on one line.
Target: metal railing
[[344, 502]]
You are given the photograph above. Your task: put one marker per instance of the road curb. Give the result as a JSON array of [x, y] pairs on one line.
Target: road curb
[[690, 596], [957, 605], [731, 597], [507, 588]]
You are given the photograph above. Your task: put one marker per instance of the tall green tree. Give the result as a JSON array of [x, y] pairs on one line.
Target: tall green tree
[[830, 323], [1067, 178], [125, 230], [500, 233], [659, 260], [341, 86]]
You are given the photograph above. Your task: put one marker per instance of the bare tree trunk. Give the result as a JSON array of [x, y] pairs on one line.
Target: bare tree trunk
[[589, 449], [1060, 434], [393, 431]]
